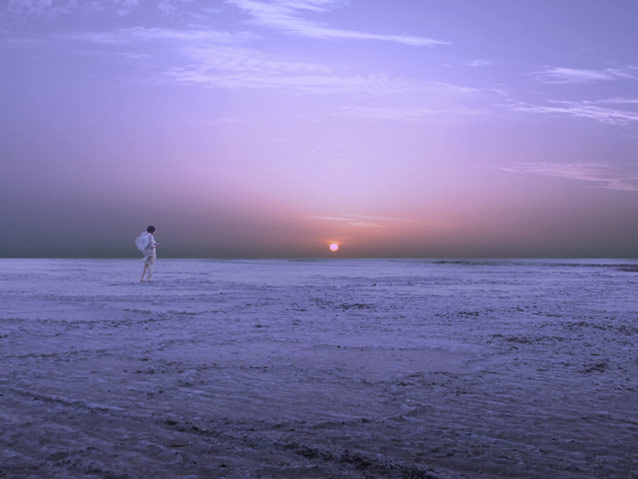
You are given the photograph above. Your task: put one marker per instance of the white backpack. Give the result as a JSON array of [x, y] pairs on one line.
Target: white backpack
[[142, 241]]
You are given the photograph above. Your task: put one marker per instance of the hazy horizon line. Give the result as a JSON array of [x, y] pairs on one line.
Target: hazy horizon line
[[293, 258]]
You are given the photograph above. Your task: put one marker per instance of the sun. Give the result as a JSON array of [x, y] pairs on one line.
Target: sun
[[334, 247]]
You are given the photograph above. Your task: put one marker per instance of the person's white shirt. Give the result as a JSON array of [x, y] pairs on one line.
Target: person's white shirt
[[148, 240]]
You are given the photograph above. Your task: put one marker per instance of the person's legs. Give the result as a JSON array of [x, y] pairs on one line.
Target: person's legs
[[150, 264], [144, 272], [148, 268]]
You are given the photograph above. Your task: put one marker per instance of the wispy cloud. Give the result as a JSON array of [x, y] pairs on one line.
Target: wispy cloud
[[59, 7], [390, 113], [615, 111], [221, 59], [615, 101], [182, 37], [235, 66], [479, 63], [576, 75], [288, 16], [364, 221], [218, 58], [247, 60], [404, 113], [611, 177], [38, 7], [388, 223], [351, 220], [227, 65], [125, 6], [52, 8], [277, 75]]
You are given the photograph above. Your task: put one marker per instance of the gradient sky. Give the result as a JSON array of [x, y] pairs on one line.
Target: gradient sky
[[241, 128]]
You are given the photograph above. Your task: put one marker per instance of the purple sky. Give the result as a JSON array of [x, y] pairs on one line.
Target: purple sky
[[240, 128]]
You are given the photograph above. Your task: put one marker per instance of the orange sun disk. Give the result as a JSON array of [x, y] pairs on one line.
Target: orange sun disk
[[334, 247]]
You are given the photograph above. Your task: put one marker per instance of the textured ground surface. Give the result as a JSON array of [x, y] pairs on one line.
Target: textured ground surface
[[313, 369]]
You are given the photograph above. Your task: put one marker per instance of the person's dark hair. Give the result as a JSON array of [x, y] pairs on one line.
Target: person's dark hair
[[150, 229]]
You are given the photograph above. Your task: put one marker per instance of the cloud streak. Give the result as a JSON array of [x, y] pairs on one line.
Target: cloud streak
[[264, 80], [218, 59], [479, 63], [60, 7], [365, 221], [562, 75], [139, 35], [352, 221], [386, 223], [404, 113], [231, 66], [593, 110], [602, 175], [38, 7], [222, 59], [287, 16]]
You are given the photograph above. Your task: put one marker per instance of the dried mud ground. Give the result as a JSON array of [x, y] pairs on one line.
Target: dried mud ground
[[319, 369]]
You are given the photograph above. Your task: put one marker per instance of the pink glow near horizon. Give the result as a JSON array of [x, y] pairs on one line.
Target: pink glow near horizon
[[266, 128]]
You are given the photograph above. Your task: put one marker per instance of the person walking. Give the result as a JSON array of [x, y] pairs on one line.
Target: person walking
[[147, 245]]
